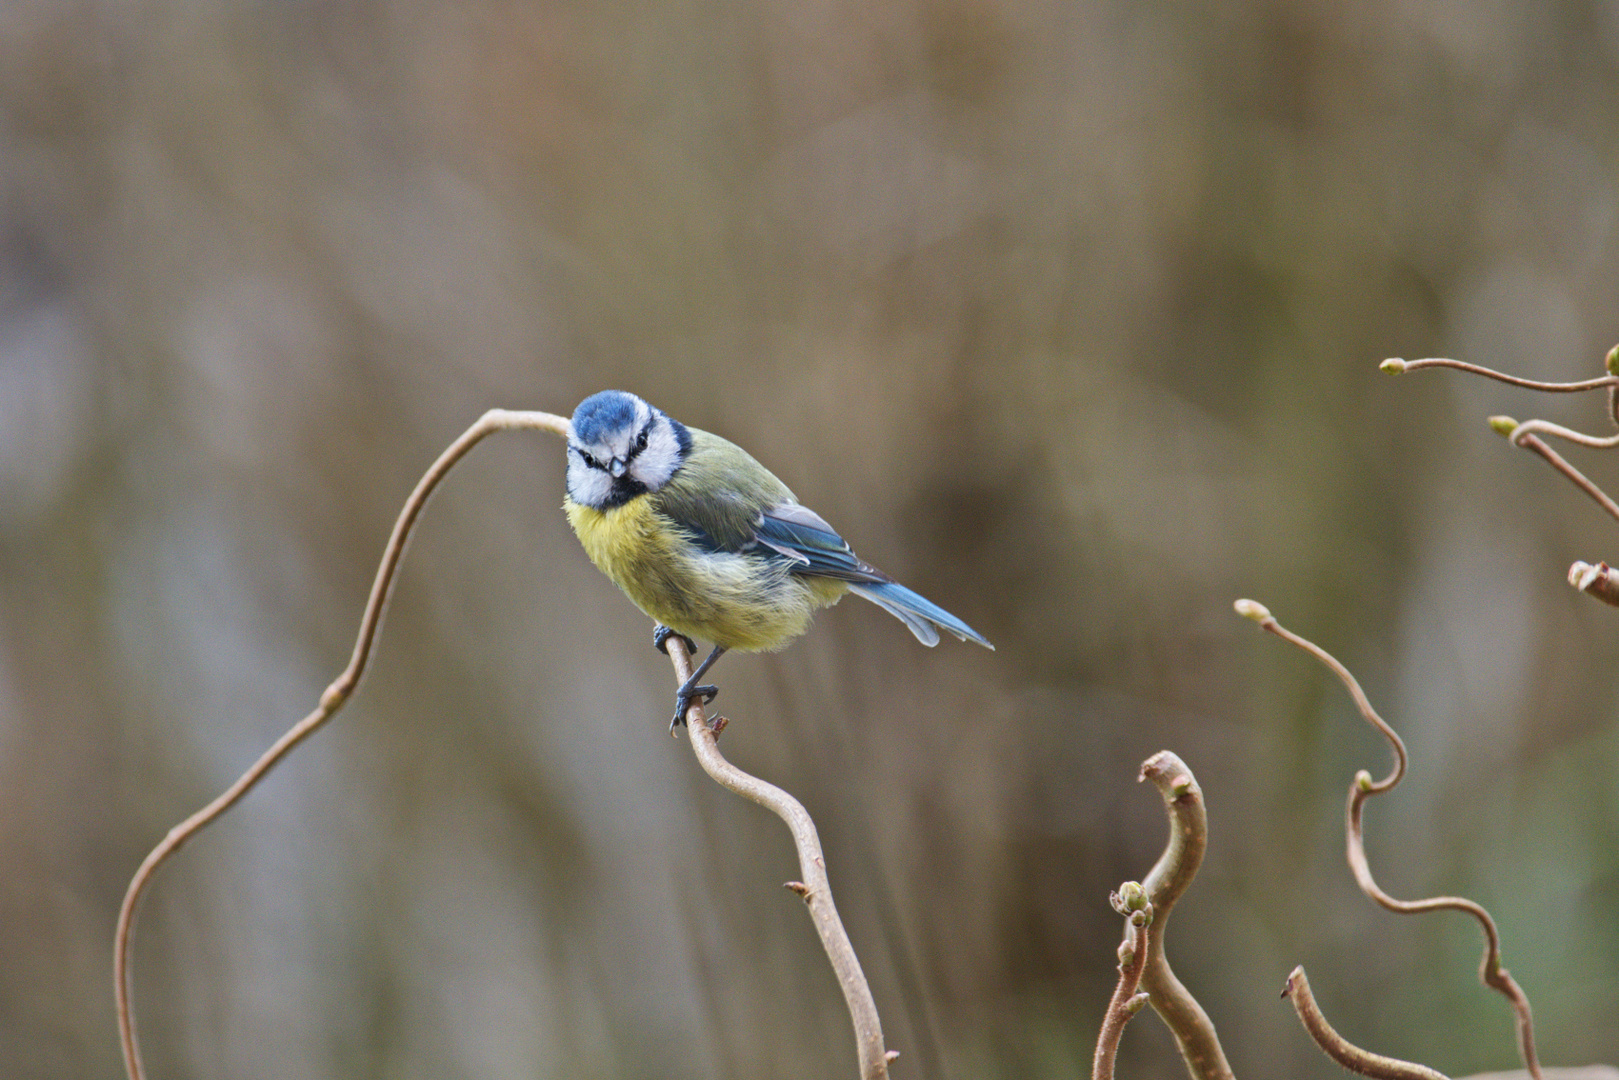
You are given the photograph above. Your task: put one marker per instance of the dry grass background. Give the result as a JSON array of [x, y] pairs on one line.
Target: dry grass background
[[1068, 314]]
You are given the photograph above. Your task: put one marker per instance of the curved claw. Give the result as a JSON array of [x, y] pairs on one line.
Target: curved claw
[[683, 700], [690, 688], [660, 640]]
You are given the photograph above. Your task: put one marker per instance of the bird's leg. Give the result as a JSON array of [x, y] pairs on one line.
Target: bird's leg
[[690, 689], [660, 639]]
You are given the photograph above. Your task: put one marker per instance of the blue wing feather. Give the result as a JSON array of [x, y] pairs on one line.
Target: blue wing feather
[[799, 534]]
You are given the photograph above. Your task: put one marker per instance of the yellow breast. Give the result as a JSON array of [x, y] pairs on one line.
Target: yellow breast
[[732, 600]]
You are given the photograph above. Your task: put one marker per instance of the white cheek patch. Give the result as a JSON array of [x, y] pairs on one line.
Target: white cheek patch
[[588, 486], [658, 462]]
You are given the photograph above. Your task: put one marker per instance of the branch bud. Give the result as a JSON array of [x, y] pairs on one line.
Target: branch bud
[[1130, 897], [1393, 366], [1612, 362], [1503, 426], [1252, 609]]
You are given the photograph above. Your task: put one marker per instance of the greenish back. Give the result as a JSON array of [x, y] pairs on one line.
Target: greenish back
[[720, 491]]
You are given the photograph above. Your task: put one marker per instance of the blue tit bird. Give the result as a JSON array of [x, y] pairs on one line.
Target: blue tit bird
[[709, 543]]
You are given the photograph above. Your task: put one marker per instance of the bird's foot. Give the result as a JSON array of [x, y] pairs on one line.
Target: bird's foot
[[683, 699], [660, 640]]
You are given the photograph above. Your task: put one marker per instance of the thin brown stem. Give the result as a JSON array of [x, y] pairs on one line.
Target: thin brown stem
[[1491, 973], [330, 702], [1396, 366], [1176, 867], [1558, 431], [1530, 441], [1130, 901], [1341, 1049], [1527, 434], [815, 888]]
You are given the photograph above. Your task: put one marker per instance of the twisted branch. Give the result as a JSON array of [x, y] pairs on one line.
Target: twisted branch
[[1341, 1049], [815, 889], [1524, 435], [1527, 435], [1516, 431], [1491, 972], [1176, 867], [330, 702]]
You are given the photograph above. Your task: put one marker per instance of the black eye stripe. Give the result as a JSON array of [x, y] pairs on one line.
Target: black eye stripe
[[640, 441]]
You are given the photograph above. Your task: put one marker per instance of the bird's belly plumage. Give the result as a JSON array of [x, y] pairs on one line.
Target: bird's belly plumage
[[745, 602]]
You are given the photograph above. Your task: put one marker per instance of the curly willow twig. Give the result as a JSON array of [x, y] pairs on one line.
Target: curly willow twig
[[1170, 876], [817, 894], [1363, 787], [1341, 1049], [1524, 435], [1527, 435], [815, 890], [330, 702], [1395, 366]]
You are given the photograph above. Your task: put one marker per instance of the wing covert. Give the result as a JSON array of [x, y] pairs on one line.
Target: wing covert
[[800, 534]]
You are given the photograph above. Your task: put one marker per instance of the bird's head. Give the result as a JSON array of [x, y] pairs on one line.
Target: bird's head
[[621, 447]]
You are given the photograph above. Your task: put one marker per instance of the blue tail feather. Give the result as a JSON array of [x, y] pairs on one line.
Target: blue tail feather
[[917, 612]]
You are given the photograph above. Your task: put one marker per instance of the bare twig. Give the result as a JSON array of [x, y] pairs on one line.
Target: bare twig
[[815, 888], [1545, 427], [1527, 434], [1363, 787], [1395, 366], [1341, 1049], [1600, 581], [1524, 435], [1131, 902], [1176, 867], [330, 702]]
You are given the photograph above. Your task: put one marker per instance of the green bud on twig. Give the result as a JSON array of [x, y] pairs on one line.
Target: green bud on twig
[[1130, 897]]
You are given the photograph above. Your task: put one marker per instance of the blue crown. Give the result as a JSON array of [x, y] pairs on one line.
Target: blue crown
[[599, 415]]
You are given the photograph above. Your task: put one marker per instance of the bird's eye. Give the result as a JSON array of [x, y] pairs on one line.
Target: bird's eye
[[588, 460], [640, 442]]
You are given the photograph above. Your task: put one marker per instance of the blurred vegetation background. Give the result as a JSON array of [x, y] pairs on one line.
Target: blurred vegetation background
[[1068, 314]]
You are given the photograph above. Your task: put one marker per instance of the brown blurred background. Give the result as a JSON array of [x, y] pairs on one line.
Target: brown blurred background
[[1068, 314]]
